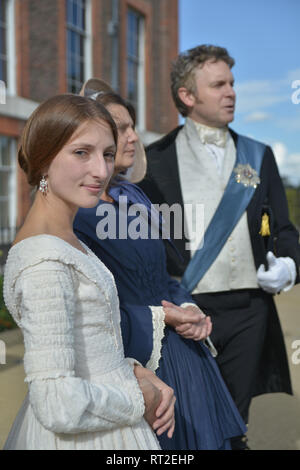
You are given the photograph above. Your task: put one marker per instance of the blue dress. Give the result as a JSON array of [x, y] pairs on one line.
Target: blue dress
[[206, 416]]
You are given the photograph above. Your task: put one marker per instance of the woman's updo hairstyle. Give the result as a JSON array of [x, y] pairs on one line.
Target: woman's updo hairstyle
[[51, 126], [100, 91]]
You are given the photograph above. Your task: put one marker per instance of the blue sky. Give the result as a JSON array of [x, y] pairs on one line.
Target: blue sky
[[263, 36]]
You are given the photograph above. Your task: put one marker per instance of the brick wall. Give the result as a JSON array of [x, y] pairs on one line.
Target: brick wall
[[165, 49], [161, 20], [43, 49], [40, 36], [102, 42]]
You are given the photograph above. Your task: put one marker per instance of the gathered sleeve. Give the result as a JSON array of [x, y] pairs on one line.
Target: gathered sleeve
[[62, 402], [179, 295], [143, 327]]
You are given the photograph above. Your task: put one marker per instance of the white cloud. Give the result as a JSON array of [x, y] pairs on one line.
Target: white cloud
[[290, 123], [280, 152], [257, 116], [288, 163], [259, 94]]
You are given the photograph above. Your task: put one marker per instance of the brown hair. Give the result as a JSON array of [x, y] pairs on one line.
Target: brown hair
[[100, 91], [184, 67], [51, 126]]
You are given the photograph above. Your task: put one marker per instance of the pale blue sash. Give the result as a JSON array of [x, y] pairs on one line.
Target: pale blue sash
[[233, 204]]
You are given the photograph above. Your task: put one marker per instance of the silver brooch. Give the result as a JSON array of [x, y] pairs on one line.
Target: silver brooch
[[246, 175]]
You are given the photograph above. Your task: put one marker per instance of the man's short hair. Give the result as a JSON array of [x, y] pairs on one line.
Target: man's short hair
[[184, 67]]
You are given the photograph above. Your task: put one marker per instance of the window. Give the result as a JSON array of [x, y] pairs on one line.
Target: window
[[7, 47], [78, 43], [135, 64], [7, 188], [3, 41]]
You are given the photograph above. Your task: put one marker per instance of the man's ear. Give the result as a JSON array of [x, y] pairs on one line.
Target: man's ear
[[186, 97]]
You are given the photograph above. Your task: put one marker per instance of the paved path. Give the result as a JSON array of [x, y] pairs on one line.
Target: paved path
[[12, 386], [274, 419]]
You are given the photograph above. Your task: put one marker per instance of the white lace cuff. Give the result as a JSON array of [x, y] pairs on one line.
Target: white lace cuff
[[158, 322]]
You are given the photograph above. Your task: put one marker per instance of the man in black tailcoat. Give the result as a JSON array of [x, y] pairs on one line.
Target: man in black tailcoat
[[251, 249]]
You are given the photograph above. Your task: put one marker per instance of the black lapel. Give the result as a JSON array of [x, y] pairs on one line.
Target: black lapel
[[163, 163], [170, 174], [234, 135]]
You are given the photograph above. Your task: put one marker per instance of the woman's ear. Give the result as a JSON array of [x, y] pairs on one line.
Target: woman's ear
[[186, 97]]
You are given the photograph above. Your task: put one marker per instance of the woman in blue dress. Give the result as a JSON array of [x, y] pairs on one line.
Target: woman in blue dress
[[161, 325]]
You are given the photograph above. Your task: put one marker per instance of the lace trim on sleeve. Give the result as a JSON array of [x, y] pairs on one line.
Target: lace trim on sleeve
[[158, 321]]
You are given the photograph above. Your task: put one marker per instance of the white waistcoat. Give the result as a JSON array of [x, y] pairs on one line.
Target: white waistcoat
[[201, 183]]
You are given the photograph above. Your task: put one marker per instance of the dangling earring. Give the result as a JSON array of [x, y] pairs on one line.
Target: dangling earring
[[43, 186]]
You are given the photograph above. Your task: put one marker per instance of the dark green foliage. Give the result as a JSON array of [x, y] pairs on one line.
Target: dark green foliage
[[6, 321]]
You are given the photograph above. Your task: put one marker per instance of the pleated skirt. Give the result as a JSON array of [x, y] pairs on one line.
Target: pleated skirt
[[206, 416]]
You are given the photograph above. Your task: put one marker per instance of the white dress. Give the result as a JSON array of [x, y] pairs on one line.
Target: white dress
[[83, 393]]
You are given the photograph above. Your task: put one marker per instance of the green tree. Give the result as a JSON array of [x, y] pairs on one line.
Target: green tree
[[293, 198], [6, 321]]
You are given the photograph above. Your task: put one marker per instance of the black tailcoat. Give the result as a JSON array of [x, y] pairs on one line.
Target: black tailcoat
[[162, 185]]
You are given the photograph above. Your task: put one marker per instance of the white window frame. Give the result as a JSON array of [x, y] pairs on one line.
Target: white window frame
[[87, 46], [11, 49], [141, 88], [88, 51], [7, 233], [10, 53]]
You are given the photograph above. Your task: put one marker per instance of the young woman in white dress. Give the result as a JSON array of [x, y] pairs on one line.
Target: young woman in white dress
[[83, 392]]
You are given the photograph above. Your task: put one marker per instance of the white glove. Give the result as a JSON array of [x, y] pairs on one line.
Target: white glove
[[281, 274]]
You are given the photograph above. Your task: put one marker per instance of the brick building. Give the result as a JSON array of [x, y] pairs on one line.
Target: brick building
[[49, 47]]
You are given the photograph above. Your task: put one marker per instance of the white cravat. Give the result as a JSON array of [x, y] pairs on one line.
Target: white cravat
[[212, 135], [214, 139]]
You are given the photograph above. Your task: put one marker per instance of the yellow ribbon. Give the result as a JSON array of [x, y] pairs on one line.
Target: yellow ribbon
[[265, 226]]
